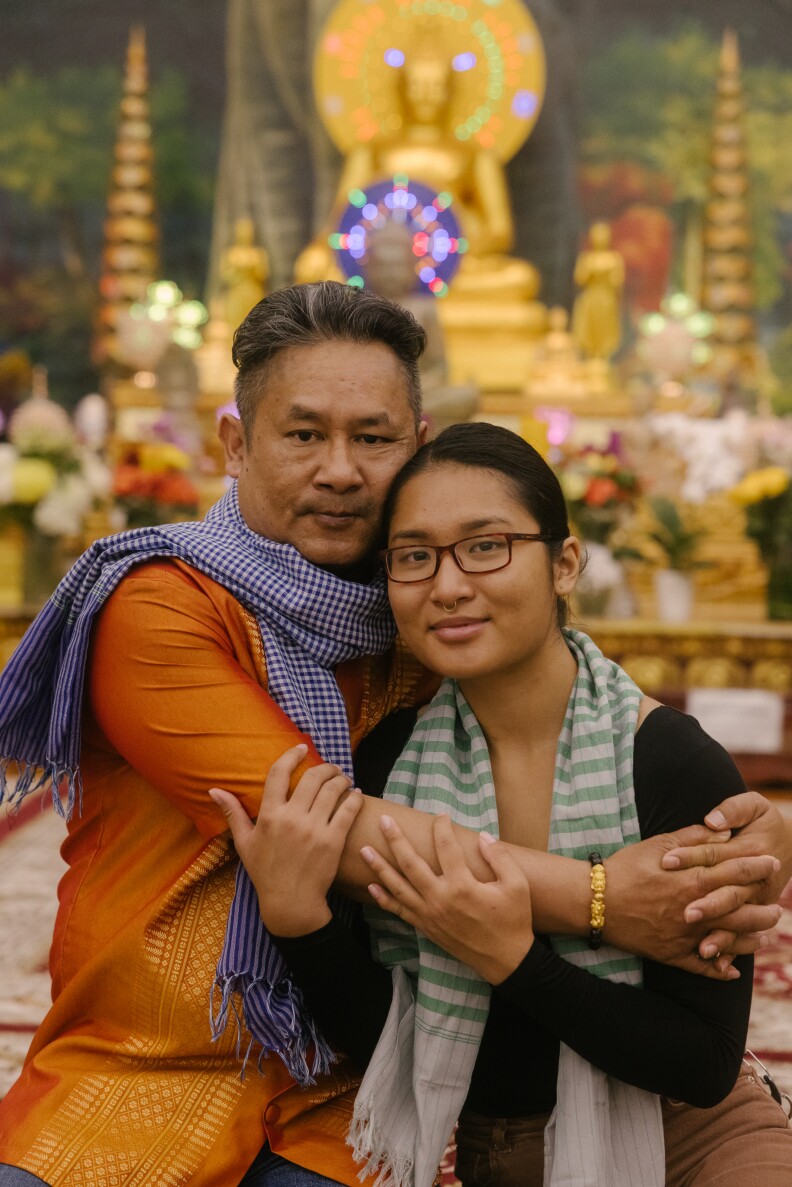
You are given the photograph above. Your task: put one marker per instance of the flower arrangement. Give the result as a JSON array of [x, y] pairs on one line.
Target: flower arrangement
[[151, 484], [766, 496], [48, 480], [599, 488], [672, 538]]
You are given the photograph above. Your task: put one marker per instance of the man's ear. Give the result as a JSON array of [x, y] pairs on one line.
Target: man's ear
[[232, 436], [423, 429]]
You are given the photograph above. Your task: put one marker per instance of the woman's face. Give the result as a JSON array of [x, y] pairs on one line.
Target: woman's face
[[499, 619]]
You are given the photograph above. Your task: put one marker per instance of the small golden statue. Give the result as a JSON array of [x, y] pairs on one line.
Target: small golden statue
[[244, 269], [596, 317], [390, 271], [558, 375]]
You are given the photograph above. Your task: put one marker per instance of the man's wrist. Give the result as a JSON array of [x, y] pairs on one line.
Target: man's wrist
[[290, 920]]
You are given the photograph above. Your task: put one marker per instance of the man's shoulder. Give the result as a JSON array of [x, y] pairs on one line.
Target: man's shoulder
[[176, 576]]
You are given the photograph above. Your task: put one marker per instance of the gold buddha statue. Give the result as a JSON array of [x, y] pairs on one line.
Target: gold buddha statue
[[244, 269], [421, 145], [596, 317]]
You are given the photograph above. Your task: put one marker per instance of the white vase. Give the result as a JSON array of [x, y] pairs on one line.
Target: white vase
[[673, 595]]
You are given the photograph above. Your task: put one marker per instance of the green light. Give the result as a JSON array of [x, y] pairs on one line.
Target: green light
[[164, 292], [357, 197], [432, 7], [680, 305], [653, 323], [444, 199], [461, 132], [192, 313], [356, 282], [443, 292], [483, 113], [474, 124], [462, 246], [701, 353], [401, 180], [701, 324], [334, 240], [187, 337]]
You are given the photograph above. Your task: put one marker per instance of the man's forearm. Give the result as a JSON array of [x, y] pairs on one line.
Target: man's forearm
[[559, 885]]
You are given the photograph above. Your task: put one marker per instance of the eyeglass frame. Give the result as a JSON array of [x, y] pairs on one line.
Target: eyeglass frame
[[440, 549]]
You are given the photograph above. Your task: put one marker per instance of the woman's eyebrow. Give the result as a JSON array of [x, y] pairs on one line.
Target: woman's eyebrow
[[471, 526]]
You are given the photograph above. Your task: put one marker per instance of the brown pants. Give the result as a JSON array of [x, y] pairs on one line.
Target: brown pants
[[745, 1141]]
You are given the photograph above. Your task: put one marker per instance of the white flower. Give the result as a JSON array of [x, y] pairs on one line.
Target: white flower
[[41, 426], [61, 512], [602, 570]]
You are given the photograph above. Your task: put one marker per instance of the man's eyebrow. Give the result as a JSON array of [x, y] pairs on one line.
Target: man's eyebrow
[[375, 420], [471, 527]]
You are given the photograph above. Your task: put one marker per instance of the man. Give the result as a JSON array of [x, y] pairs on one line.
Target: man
[[213, 648]]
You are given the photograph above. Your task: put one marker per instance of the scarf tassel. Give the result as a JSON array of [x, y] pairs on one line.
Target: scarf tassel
[[290, 1040], [371, 1146], [65, 784]]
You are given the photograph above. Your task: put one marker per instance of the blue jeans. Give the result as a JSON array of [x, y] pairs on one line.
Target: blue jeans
[[270, 1170]]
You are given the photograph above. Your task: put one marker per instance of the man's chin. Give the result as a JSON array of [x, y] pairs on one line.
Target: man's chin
[[338, 555]]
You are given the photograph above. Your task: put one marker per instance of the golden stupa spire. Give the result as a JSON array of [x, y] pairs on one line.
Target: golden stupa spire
[[129, 258], [728, 291]]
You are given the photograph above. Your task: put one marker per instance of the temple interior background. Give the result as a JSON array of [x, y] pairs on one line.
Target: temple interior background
[[588, 204]]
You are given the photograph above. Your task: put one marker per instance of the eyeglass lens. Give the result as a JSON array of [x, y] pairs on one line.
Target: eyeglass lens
[[479, 554]]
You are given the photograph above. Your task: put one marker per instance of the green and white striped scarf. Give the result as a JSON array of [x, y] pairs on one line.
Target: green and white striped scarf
[[602, 1131]]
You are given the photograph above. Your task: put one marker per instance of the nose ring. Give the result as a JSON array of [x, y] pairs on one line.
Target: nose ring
[[449, 609]]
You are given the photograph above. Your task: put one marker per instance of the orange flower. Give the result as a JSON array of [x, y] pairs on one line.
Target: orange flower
[[601, 491], [175, 489]]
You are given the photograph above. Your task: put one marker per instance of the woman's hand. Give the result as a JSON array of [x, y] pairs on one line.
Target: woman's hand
[[292, 851], [484, 924]]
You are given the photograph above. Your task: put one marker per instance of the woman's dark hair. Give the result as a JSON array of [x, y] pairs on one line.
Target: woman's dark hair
[[499, 451], [306, 314]]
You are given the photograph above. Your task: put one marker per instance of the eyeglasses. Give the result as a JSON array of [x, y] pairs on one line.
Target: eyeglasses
[[474, 554]]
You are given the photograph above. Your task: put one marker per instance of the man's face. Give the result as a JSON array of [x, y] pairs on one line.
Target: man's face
[[332, 429]]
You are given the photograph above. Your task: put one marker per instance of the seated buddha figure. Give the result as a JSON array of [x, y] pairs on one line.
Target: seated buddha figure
[[424, 148]]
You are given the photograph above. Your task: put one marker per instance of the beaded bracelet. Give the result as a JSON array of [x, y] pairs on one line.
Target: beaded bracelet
[[597, 922]]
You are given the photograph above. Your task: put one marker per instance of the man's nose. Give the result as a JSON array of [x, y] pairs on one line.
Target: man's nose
[[339, 468]]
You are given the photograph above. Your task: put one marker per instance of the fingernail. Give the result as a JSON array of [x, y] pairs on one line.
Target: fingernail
[[776, 865], [670, 863], [386, 822], [366, 853], [301, 746], [716, 819], [374, 890], [693, 914], [488, 837], [732, 974], [708, 950], [213, 794], [763, 941]]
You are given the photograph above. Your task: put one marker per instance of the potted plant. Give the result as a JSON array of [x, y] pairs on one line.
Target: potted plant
[[677, 544]]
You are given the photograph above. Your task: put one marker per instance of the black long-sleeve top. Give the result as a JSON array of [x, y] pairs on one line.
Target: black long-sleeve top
[[681, 1036]]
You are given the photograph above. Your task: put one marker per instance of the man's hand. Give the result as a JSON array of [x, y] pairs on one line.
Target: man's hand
[[292, 851], [757, 827], [685, 917]]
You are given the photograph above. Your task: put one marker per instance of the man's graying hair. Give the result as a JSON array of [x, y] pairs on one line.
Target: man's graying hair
[[307, 314]]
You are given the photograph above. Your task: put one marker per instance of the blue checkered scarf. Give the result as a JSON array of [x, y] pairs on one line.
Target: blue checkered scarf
[[310, 621]]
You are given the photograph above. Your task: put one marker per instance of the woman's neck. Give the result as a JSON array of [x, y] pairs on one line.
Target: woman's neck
[[523, 706]]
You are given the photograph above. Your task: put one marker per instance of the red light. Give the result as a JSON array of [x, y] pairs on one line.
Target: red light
[[435, 285]]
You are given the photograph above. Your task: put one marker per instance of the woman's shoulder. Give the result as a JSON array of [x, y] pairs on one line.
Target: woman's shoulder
[[680, 773]]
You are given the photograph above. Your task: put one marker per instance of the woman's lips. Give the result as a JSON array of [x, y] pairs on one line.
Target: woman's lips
[[458, 630]]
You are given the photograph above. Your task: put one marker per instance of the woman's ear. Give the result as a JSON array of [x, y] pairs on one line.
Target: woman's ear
[[566, 567]]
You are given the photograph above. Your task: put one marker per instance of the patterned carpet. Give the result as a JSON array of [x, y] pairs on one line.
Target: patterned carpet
[[30, 867]]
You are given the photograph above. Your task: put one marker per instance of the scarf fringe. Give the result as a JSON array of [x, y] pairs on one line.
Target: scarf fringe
[[367, 1140], [31, 778], [291, 1043]]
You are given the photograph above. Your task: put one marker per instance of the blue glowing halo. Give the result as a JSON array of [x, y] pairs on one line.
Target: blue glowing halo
[[438, 243]]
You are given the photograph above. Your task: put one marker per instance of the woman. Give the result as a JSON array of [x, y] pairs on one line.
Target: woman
[[561, 1068]]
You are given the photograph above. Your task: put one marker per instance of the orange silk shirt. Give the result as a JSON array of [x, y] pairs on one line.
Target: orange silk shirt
[[122, 1084]]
